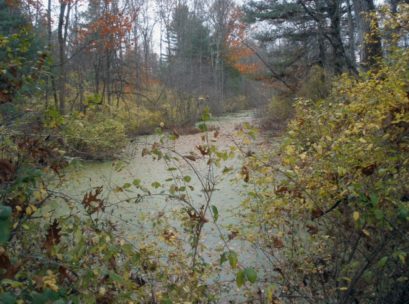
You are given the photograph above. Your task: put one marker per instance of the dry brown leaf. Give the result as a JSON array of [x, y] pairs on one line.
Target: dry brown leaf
[[53, 236]]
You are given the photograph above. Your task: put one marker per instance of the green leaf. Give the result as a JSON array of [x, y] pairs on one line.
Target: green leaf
[[403, 214], [382, 262], [401, 255], [155, 185], [251, 275], [173, 137], [7, 298], [172, 189], [378, 214], [215, 213], [223, 258], [233, 259], [5, 214], [115, 277], [240, 278], [206, 115], [126, 186], [227, 170], [11, 283], [374, 199], [158, 131], [202, 127]]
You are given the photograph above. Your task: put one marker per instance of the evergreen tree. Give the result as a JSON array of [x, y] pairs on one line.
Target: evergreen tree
[[12, 19], [302, 33], [189, 36], [19, 53]]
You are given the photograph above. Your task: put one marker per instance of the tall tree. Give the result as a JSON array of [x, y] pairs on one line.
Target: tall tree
[[62, 34], [19, 51], [304, 33], [220, 13], [369, 38]]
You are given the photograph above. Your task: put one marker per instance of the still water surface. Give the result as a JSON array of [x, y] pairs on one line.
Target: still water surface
[[83, 176]]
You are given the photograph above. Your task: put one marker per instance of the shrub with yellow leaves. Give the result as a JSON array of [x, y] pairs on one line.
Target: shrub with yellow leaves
[[340, 197]]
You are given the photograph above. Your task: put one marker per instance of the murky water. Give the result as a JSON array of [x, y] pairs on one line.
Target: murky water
[[84, 176]]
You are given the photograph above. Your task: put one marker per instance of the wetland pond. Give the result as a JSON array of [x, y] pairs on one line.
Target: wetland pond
[[134, 214]]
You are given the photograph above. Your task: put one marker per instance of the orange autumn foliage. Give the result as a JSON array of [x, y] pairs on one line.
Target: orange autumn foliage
[[110, 27], [238, 54]]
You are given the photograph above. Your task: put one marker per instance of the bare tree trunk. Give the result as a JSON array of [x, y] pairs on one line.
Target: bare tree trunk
[[394, 6], [108, 77], [61, 44], [321, 47], [340, 58], [351, 32], [369, 39], [137, 65], [338, 50], [50, 48], [97, 76]]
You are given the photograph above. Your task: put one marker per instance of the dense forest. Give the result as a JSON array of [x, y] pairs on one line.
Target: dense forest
[[214, 151]]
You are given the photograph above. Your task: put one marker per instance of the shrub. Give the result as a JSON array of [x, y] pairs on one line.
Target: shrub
[[138, 120], [56, 248], [317, 85], [236, 103], [276, 113], [279, 110], [335, 214], [95, 136]]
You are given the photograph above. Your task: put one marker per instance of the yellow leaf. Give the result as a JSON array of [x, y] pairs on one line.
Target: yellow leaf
[[40, 194], [356, 216], [31, 209], [341, 171], [50, 281], [290, 150], [366, 232], [318, 148], [102, 291]]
